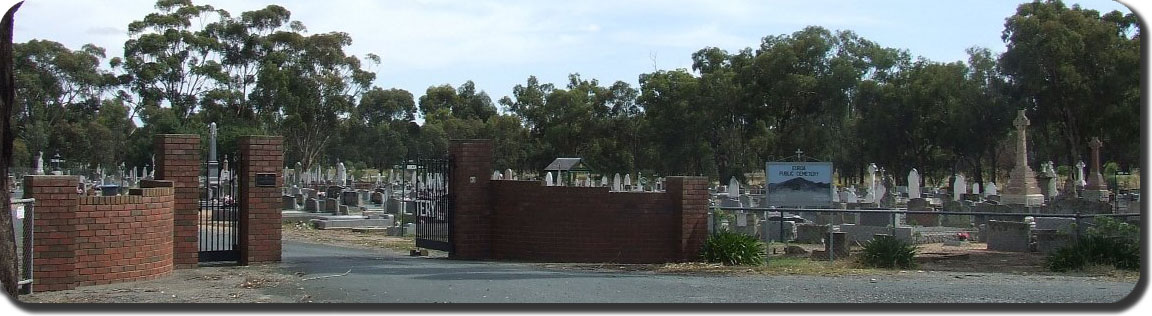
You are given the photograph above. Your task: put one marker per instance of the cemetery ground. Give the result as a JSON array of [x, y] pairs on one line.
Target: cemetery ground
[[346, 266]]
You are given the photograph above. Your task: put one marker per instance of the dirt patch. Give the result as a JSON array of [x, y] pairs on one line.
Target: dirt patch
[[346, 238], [234, 284]]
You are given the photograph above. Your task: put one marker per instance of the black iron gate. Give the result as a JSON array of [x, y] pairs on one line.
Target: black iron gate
[[219, 221], [433, 215]]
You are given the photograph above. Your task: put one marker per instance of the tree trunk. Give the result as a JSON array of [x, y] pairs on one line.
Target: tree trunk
[[8, 262]]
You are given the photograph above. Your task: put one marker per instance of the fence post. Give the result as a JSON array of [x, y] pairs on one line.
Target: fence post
[[28, 223], [893, 224], [782, 226], [1079, 225]]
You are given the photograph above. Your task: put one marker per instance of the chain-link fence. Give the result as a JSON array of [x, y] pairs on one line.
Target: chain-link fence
[[22, 215]]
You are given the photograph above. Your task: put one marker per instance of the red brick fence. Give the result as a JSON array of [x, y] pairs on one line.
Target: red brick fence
[[525, 220], [88, 240]]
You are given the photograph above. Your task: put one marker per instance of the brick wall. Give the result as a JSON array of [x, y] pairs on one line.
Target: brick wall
[[124, 238], [82, 240], [178, 160], [471, 210], [54, 236], [525, 220], [260, 206], [569, 224]]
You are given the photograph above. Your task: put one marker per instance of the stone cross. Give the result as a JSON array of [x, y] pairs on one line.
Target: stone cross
[[1095, 178], [1022, 188]]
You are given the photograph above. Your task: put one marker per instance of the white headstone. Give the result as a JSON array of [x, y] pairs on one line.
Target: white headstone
[[508, 174], [913, 184], [40, 163], [617, 185], [976, 188], [604, 181], [991, 189], [835, 194], [341, 173], [959, 187], [871, 184], [848, 196], [627, 181], [733, 188], [496, 175], [548, 179], [1052, 181]]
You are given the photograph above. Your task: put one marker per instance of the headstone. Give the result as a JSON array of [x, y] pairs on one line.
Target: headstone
[[604, 181], [835, 194], [1080, 181], [991, 189], [497, 176], [921, 205], [1052, 191], [770, 230], [1007, 236], [848, 196], [350, 198], [733, 188], [976, 188], [40, 163], [508, 174], [959, 188], [331, 205], [548, 179], [811, 234], [617, 185], [627, 182], [913, 184], [312, 205], [289, 203], [871, 184], [1049, 240]]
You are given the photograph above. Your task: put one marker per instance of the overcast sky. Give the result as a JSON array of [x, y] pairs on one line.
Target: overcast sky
[[498, 44]]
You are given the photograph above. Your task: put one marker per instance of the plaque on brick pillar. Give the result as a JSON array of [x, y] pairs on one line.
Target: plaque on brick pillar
[[1022, 188]]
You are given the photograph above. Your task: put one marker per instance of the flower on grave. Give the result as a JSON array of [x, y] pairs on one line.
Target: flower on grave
[[962, 236]]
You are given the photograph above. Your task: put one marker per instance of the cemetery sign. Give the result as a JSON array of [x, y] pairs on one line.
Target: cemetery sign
[[799, 184]]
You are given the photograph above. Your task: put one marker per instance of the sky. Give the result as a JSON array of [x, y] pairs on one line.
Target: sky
[[499, 44]]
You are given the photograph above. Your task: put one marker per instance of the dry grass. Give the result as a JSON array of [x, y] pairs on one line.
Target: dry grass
[[778, 266], [347, 238]]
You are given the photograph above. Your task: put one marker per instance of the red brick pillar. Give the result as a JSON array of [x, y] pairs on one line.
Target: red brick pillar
[[178, 160], [690, 198], [260, 205], [471, 234], [54, 235]]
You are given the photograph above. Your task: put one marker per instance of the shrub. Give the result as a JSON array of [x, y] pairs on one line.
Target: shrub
[[888, 252], [732, 248], [1110, 242]]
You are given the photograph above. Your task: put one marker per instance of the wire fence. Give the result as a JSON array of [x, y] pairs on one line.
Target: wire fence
[[23, 211], [919, 226]]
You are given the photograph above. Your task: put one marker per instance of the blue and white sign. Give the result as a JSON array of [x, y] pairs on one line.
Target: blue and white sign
[[799, 184]]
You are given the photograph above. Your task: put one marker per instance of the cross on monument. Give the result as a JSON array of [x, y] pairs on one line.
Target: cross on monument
[[798, 153], [1095, 178]]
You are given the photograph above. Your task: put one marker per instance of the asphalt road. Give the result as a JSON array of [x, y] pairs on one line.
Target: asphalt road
[[382, 277]]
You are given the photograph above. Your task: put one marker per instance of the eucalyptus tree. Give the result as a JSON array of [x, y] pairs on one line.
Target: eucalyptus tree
[[1078, 73]]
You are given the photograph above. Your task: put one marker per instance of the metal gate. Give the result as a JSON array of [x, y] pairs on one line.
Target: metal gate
[[219, 220], [433, 215]]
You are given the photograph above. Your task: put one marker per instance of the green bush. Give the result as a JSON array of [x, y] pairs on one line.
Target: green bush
[[889, 252], [1110, 242], [732, 248]]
